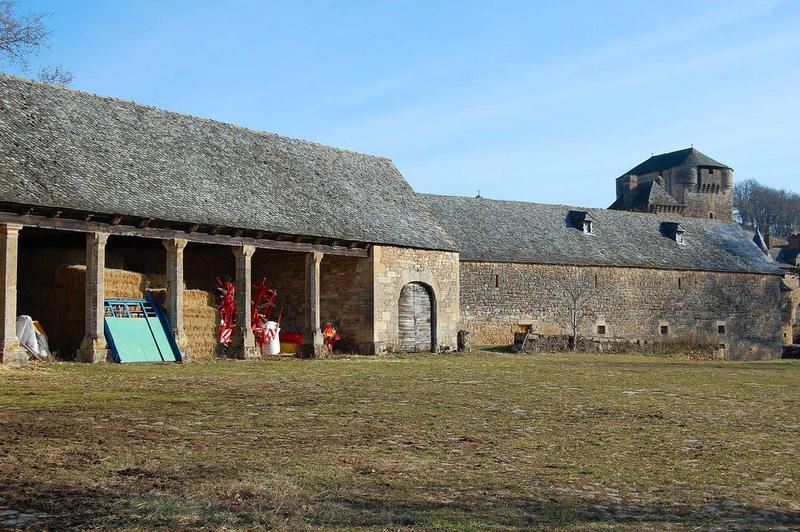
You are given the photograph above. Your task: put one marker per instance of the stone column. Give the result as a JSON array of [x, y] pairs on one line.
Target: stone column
[[94, 348], [175, 290], [243, 344], [11, 353], [312, 335]]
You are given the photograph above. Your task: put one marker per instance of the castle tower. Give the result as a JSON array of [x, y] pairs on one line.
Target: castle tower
[[684, 182]]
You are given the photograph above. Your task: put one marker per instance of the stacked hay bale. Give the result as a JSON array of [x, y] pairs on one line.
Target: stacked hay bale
[[201, 321], [59, 305]]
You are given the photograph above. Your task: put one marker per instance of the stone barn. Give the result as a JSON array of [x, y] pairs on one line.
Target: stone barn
[[652, 277], [101, 197]]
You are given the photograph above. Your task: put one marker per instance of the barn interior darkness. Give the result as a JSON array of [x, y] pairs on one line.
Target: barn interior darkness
[[51, 284]]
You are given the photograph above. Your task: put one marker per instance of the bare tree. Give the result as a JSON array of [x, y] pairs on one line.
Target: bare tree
[[772, 211], [578, 290], [23, 37], [55, 74]]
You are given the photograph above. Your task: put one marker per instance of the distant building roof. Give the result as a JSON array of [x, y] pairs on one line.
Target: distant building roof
[[63, 148], [648, 194], [685, 157], [788, 256], [514, 231]]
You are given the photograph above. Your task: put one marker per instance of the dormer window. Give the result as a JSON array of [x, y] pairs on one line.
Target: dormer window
[[674, 231], [581, 220]]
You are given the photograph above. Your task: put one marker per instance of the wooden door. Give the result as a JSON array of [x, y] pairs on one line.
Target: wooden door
[[415, 318]]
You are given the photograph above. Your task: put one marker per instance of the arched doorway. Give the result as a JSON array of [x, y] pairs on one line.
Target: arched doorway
[[416, 324]]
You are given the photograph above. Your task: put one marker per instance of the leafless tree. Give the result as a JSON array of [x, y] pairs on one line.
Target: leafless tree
[[578, 290], [55, 74], [22, 37], [772, 211]]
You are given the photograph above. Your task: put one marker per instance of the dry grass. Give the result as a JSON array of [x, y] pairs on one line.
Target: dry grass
[[482, 441]]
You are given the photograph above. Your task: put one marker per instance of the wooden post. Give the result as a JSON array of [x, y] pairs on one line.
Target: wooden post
[[312, 335], [11, 352], [94, 348], [175, 289], [243, 344]]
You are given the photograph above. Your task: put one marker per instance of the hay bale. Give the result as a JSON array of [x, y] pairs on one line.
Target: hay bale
[[200, 321]]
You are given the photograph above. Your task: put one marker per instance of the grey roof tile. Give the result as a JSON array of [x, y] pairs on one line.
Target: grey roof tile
[[63, 148], [685, 157], [514, 231]]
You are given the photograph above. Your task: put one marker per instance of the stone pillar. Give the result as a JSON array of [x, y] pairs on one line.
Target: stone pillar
[[94, 348], [175, 290], [11, 353], [243, 344], [312, 335]]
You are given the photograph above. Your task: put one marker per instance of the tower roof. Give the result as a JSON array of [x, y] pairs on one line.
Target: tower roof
[[685, 157]]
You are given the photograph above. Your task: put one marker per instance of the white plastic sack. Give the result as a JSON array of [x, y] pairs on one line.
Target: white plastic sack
[[273, 335], [30, 338]]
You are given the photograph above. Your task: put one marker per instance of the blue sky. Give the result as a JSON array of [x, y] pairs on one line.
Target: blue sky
[[545, 101]]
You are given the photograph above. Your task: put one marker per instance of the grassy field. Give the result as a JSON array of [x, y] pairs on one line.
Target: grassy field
[[479, 441]]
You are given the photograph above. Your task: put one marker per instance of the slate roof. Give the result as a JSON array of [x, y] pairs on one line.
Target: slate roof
[[685, 157], [514, 231], [649, 193], [788, 256], [68, 149]]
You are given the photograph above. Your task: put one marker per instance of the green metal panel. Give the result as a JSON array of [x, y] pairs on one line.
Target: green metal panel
[[133, 339], [137, 332], [161, 340]]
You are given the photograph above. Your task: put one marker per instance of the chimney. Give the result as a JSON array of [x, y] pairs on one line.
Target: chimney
[[626, 188]]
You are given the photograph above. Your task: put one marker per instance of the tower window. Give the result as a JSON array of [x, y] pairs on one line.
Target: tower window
[[711, 215], [601, 329], [721, 328], [664, 330], [497, 281]]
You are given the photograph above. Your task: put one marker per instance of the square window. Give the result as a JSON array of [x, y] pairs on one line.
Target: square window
[[665, 329], [601, 329], [721, 328]]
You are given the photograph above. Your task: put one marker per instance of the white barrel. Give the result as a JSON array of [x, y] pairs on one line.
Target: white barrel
[[273, 333]]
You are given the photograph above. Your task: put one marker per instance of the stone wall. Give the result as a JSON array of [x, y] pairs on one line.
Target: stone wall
[[739, 311], [346, 299], [700, 204], [393, 269]]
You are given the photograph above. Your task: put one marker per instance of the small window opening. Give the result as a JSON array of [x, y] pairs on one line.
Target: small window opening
[[601, 329], [711, 216], [665, 329], [596, 281], [497, 281], [721, 328], [680, 283], [587, 227]]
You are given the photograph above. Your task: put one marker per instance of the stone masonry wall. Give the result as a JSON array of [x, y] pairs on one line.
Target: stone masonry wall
[[700, 204], [393, 269], [633, 304], [346, 298]]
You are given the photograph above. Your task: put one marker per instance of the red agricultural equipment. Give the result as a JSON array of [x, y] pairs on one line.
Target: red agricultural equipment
[[330, 335], [227, 310], [262, 306]]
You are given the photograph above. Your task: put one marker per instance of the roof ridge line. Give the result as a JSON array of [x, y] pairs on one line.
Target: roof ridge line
[[134, 103]]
